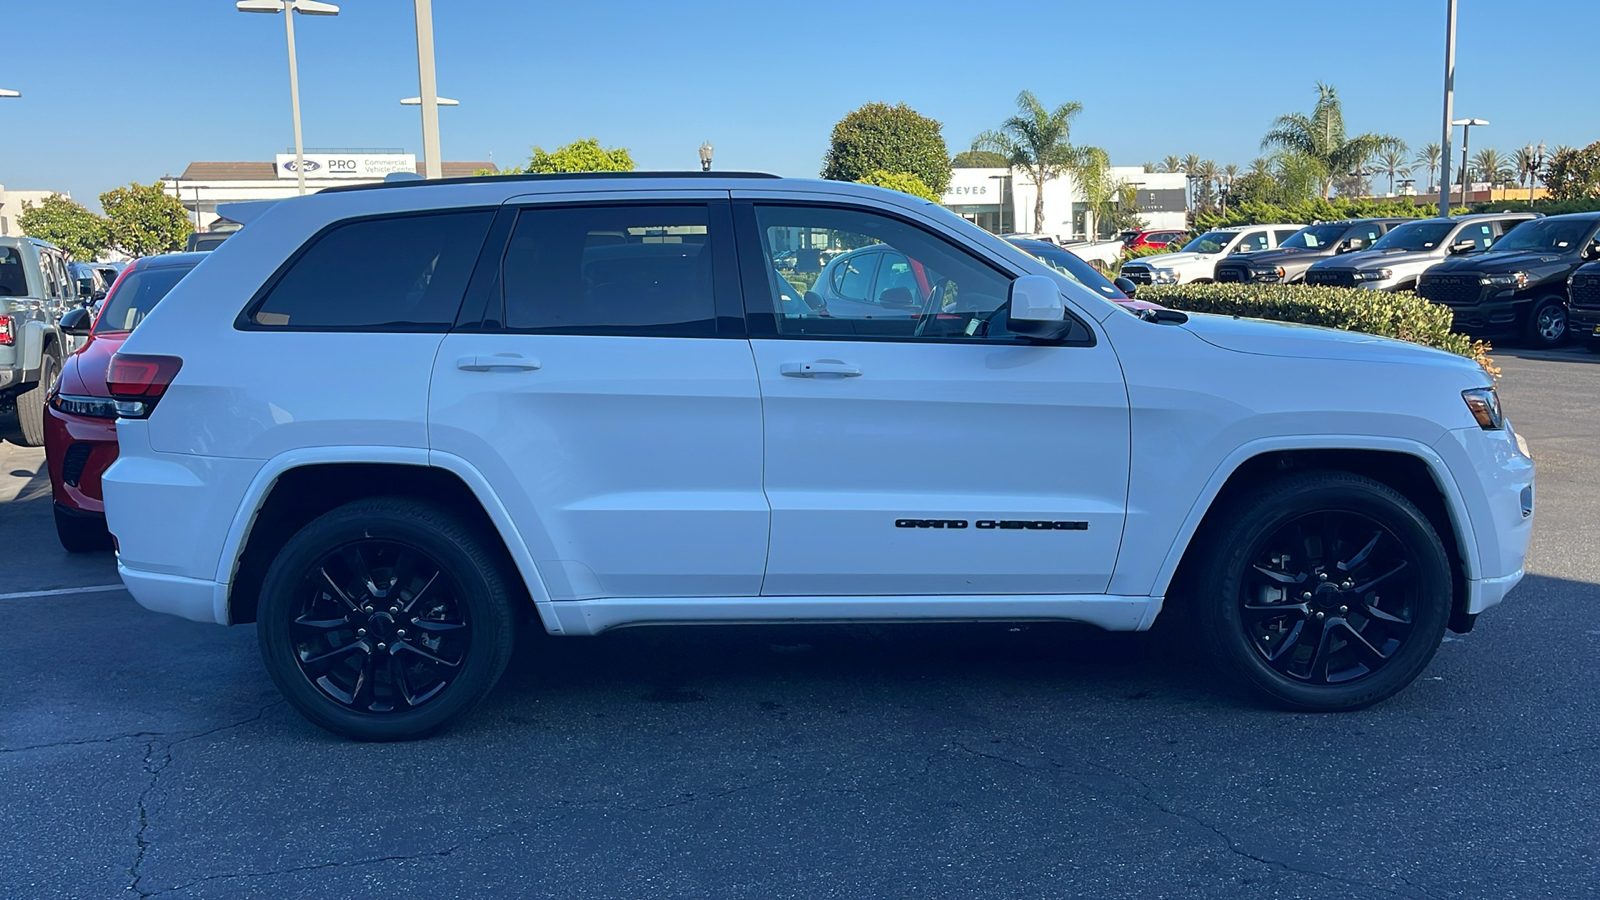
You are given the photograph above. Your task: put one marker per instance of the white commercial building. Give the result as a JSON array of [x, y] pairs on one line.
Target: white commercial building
[[1001, 200], [11, 207], [203, 185]]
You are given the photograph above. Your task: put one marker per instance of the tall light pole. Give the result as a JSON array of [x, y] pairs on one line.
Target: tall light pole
[[289, 8], [430, 168], [1449, 110], [1466, 139], [1536, 162], [433, 166]]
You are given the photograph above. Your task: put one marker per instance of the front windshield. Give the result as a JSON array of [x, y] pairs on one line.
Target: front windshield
[[1414, 236], [1210, 242], [1314, 237], [135, 296], [1553, 235], [1068, 264]]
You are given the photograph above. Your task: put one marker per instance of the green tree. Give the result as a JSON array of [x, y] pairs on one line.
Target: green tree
[[904, 182], [66, 224], [978, 159], [1492, 166], [1392, 162], [1170, 164], [1320, 138], [1572, 174], [880, 137], [1039, 141], [579, 156], [1527, 168], [1428, 158], [1230, 174], [1260, 166], [143, 219]]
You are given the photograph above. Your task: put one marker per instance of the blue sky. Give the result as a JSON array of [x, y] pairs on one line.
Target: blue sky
[[116, 91]]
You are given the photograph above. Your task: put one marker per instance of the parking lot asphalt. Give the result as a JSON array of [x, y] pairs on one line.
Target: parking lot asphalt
[[142, 755]]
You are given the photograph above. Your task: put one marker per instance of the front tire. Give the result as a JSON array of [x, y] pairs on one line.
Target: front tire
[[1546, 327], [30, 405], [1323, 592], [385, 619]]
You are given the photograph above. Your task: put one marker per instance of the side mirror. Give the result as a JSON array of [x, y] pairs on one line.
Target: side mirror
[[1351, 245], [1126, 287], [1463, 246], [1036, 308], [77, 322], [897, 298], [1593, 250], [814, 300]]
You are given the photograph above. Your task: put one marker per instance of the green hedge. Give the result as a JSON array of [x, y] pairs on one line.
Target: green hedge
[[1402, 315], [1547, 207], [1317, 210]]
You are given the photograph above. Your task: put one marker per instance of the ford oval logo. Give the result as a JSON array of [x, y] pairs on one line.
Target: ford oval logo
[[311, 165]]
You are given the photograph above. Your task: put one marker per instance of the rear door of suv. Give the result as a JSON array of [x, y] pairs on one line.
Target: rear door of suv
[[601, 380]]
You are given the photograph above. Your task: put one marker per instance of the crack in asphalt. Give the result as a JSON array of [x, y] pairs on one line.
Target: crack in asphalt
[[1147, 794], [157, 757]]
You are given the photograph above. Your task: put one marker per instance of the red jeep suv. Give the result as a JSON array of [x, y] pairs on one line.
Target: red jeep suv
[[80, 418]]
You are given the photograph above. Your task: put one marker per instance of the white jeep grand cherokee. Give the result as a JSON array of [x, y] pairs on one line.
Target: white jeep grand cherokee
[[381, 422]]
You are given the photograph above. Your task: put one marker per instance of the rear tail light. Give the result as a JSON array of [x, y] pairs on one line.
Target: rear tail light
[[8, 331], [137, 382]]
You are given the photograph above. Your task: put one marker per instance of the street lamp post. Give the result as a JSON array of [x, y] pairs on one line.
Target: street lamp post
[[1536, 158], [433, 166], [1000, 204], [289, 8], [1449, 107], [705, 156], [1466, 139]]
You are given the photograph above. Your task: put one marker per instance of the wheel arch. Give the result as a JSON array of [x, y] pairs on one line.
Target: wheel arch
[[1413, 469], [293, 489]]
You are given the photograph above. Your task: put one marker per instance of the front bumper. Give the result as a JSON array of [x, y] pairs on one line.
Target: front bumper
[[1584, 324], [78, 450], [1499, 508]]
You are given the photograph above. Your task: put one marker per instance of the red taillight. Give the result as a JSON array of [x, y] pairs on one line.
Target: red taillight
[[137, 381], [8, 331]]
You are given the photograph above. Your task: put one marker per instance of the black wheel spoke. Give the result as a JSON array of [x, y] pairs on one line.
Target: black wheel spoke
[[1289, 642], [1260, 612], [1377, 580], [1317, 666], [1280, 577], [1372, 611], [1330, 537], [1362, 648], [350, 628], [1361, 556]]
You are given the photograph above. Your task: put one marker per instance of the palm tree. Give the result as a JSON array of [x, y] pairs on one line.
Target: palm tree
[[1039, 141], [1260, 166], [1428, 158], [1171, 164], [1207, 179], [1392, 162], [1321, 137], [1491, 166]]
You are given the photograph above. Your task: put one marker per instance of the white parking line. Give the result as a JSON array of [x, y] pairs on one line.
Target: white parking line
[[57, 592]]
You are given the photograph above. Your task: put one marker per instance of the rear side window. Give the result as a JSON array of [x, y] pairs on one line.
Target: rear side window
[[13, 280], [1282, 236], [398, 273], [616, 270]]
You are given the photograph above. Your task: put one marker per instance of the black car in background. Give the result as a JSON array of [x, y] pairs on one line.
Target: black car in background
[[1518, 287], [1583, 292], [1313, 243]]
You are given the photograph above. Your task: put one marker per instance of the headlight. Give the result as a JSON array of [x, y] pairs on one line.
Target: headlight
[[1269, 274], [1163, 276], [94, 407], [1518, 280], [1485, 406], [1374, 274]]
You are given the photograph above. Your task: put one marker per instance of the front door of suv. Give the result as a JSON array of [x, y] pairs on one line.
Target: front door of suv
[[924, 449], [601, 381]]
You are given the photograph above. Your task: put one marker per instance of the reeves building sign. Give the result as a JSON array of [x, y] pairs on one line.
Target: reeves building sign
[[348, 165]]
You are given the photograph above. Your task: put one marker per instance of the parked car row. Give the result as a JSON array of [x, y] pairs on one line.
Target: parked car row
[[1504, 274]]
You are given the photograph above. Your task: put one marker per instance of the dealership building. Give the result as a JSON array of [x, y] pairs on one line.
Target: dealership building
[[203, 185], [1001, 200]]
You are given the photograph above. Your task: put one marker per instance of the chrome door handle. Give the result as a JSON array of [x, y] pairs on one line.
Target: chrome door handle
[[493, 363], [819, 367]]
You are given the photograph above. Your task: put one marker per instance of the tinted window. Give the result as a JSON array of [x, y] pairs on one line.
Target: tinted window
[[1070, 265], [135, 296], [638, 270], [1547, 235], [925, 287], [403, 273], [13, 281], [852, 275], [1282, 236], [1255, 240]]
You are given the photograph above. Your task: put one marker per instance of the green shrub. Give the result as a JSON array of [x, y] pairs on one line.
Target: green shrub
[[1544, 207], [1317, 210], [1402, 315]]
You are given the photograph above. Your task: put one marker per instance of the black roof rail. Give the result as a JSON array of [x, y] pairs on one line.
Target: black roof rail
[[539, 176]]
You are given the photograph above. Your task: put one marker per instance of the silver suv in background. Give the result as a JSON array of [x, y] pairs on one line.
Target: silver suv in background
[[1398, 259], [36, 290]]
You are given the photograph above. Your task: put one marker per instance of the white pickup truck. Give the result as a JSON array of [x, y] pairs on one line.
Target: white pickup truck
[[1197, 261]]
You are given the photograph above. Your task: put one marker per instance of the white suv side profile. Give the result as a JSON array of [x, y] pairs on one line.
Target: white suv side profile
[[1197, 262], [381, 422]]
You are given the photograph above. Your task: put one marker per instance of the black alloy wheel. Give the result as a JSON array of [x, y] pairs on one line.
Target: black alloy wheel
[[385, 619], [1323, 591]]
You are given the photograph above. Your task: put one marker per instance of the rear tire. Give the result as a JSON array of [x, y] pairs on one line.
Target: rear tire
[[1322, 592], [30, 405], [1546, 327], [385, 619], [82, 533]]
